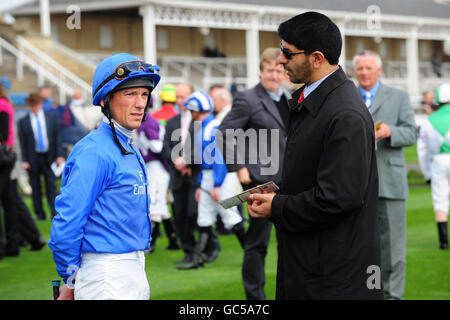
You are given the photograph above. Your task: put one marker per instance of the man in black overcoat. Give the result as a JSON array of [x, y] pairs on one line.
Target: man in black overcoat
[[325, 214]]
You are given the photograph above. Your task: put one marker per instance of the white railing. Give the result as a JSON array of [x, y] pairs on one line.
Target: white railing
[[202, 72], [48, 69], [432, 84], [74, 55], [399, 69], [43, 73]]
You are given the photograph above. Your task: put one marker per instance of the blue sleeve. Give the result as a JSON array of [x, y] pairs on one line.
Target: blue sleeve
[[200, 177], [198, 154], [82, 182], [219, 167], [219, 174], [211, 156], [215, 158]]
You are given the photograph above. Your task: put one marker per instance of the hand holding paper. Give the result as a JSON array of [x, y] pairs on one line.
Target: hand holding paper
[[260, 205], [269, 187]]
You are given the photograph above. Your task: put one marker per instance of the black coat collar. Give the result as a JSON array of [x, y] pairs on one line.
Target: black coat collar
[[314, 101]]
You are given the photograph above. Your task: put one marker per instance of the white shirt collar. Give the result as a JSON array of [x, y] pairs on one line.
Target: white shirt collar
[[275, 97], [126, 132], [313, 86]]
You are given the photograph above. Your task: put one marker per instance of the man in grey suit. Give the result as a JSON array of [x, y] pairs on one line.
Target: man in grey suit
[[395, 128], [261, 112]]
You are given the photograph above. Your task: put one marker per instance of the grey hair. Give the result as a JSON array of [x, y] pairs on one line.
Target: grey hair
[[224, 94], [368, 53]]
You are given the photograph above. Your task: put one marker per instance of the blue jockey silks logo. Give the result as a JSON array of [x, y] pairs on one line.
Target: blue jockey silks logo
[[140, 189]]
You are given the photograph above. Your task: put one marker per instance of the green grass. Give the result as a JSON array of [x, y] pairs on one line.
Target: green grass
[[411, 154], [415, 178], [427, 275], [29, 276]]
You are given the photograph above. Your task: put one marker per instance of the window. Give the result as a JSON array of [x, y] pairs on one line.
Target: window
[[209, 41], [425, 50], [403, 50], [106, 37], [55, 32], [162, 39], [447, 46], [360, 46], [383, 49]]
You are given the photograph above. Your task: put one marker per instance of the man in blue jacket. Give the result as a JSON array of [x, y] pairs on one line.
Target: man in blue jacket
[[102, 224]]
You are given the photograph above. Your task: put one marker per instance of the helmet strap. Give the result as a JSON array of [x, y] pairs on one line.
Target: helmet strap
[[147, 107], [107, 112]]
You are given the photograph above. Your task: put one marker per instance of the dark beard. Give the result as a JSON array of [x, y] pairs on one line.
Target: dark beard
[[302, 73]]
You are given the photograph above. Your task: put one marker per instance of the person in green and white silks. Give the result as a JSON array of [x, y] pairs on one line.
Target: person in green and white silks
[[433, 148]]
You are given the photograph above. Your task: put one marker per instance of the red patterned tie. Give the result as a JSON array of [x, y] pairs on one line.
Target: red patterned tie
[[301, 97]]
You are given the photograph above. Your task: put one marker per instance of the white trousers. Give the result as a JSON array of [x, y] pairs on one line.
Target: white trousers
[[111, 276], [159, 183], [440, 181], [208, 209]]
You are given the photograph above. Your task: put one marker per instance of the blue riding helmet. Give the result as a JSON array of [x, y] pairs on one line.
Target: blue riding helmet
[[114, 72], [199, 101], [117, 72]]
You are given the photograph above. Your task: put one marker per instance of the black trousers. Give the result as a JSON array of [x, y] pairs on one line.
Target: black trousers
[[255, 251], [42, 168], [185, 216], [9, 214], [26, 225]]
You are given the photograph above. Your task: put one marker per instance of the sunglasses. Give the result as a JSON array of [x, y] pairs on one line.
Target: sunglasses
[[289, 54], [124, 69]]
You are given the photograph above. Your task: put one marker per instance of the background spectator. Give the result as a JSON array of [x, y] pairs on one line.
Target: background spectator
[[398, 129], [40, 142], [264, 106], [433, 148]]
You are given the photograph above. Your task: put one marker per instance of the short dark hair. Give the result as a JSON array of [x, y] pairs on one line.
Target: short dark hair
[[34, 99], [312, 31]]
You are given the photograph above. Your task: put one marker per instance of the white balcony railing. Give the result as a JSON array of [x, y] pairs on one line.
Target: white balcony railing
[[199, 71], [42, 72], [46, 68], [398, 69]]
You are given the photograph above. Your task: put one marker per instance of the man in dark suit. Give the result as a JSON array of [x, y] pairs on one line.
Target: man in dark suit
[[326, 211], [259, 111], [183, 178], [40, 144], [392, 109]]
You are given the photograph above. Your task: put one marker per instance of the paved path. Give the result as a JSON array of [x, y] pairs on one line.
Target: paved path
[[412, 166]]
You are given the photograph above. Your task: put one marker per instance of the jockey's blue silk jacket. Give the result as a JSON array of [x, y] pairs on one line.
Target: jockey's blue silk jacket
[[104, 204]]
